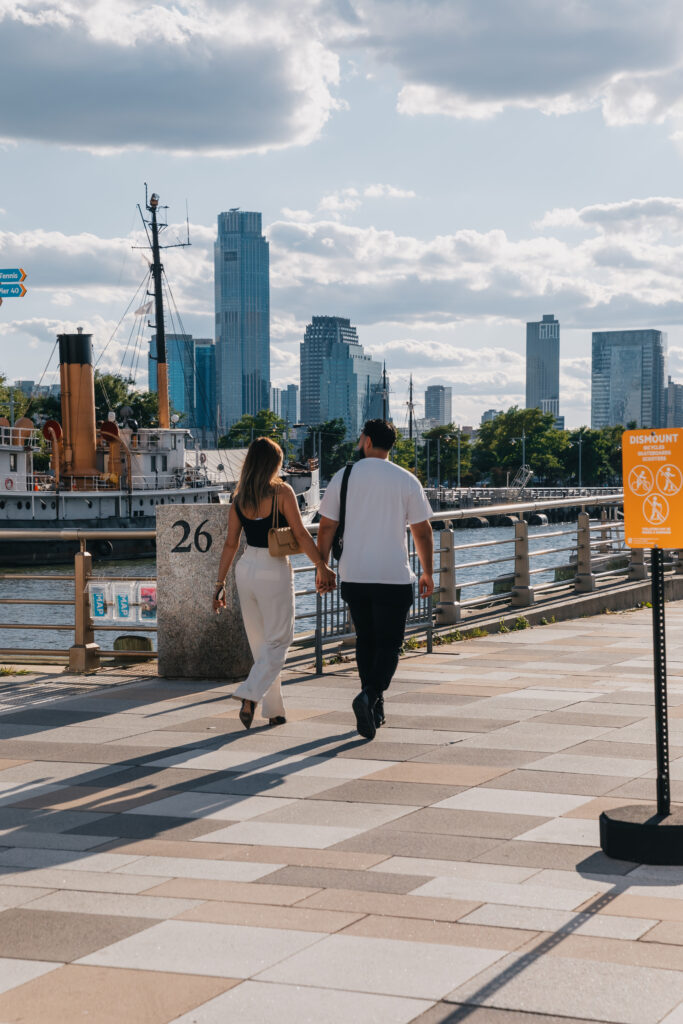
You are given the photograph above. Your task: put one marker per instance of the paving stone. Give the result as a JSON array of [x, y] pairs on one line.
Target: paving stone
[[546, 805], [113, 904], [135, 826], [389, 904], [337, 814], [450, 1013], [254, 1002], [265, 915], [265, 784], [558, 921], [382, 966], [552, 855], [579, 988], [466, 823], [181, 867], [413, 929], [417, 844], [482, 756], [15, 972], [337, 878], [524, 895], [229, 892], [387, 792], [223, 807], [192, 947], [272, 833], [459, 869], [555, 782], [50, 935], [74, 993], [439, 775]]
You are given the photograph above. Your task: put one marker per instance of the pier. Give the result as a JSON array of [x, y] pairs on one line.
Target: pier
[[161, 865]]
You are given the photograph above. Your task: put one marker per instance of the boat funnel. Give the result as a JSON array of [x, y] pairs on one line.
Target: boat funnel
[[77, 380]]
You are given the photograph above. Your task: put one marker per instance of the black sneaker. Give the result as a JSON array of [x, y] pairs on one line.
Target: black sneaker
[[365, 723], [378, 712]]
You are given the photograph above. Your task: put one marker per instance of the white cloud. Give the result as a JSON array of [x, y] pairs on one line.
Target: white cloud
[[191, 78]]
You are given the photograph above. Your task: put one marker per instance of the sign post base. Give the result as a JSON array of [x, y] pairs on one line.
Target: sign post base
[[638, 833]]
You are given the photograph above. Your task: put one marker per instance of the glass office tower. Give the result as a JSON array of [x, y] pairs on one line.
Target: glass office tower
[[242, 296], [627, 379], [338, 380], [543, 365], [180, 360], [205, 389], [439, 404], [289, 404]]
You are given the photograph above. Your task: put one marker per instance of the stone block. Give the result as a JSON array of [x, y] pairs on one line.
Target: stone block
[[193, 641]]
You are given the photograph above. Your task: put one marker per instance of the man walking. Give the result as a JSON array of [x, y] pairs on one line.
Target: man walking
[[377, 580]]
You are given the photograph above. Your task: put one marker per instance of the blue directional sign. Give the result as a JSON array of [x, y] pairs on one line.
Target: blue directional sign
[[12, 274], [12, 291]]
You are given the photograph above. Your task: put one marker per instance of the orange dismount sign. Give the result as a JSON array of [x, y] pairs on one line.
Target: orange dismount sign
[[652, 462]]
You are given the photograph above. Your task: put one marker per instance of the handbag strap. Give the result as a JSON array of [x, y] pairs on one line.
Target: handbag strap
[[276, 509], [342, 499]]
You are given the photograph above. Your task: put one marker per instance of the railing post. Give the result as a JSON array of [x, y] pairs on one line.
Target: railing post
[[637, 569], [585, 577], [319, 634], [448, 606], [604, 533], [522, 592], [84, 656]]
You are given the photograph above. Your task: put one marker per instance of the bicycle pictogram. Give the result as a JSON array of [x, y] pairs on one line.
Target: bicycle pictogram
[[640, 480]]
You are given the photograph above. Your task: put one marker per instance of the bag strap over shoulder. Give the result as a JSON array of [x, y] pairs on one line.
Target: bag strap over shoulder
[[342, 498], [275, 510]]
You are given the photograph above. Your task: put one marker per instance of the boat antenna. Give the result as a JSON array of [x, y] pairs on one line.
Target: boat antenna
[[152, 207]]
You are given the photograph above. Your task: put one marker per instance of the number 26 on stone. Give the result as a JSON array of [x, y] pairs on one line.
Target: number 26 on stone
[[202, 539]]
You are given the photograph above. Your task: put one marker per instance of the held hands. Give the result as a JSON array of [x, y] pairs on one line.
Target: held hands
[[325, 579], [426, 585]]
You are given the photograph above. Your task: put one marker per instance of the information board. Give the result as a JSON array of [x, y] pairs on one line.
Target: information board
[[652, 463]]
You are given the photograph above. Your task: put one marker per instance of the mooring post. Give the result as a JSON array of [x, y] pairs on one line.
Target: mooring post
[[585, 577], [522, 592], [448, 606], [84, 655]]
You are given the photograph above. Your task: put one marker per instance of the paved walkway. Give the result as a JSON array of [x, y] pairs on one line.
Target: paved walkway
[[159, 864]]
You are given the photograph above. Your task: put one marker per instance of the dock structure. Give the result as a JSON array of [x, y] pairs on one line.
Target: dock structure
[[159, 863]]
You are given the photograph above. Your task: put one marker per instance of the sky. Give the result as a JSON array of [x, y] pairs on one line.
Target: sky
[[438, 171]]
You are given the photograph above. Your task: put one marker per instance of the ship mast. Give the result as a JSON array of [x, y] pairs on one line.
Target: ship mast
[[162, 366], [157, 269]]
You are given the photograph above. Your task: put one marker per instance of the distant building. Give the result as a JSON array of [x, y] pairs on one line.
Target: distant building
[[439, 404], [275, 400], [204, 418], [180, 361], [338, 380], [543, 365], [674, 404], [627, 379], [27, 387], [242, 296], [490, 414], [289, 403]]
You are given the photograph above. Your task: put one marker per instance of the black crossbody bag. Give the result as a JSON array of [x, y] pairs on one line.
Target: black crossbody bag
[[338, 541]]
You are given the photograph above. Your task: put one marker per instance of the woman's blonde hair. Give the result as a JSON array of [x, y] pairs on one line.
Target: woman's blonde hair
[[259, 473]]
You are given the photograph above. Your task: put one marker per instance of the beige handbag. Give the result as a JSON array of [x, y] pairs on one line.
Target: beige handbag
[[281, 540]]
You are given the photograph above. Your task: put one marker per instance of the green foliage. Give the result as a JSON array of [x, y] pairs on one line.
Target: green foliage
[[498, 450], [336, 450], [442, 452], [472, 634], [521, 622], [502, 628], [8, 671], [112, 392], [243, 432]]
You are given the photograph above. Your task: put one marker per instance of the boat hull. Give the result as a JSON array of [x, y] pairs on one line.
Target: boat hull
[[47, 551]]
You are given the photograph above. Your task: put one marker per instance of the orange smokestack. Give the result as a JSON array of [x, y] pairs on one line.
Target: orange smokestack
[[78, 407]]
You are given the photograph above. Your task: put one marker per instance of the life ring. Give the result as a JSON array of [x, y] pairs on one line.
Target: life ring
[[9, 483]]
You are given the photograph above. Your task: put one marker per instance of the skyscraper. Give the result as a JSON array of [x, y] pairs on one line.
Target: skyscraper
[[439, 404], [180, 359], [241, 263], [627, 379], [674, 404], [543, 365], [289, 403], [338, 380], [205, 389], [275, 400]]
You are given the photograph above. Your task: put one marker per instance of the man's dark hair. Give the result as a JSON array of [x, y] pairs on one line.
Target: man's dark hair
[[381, 433]]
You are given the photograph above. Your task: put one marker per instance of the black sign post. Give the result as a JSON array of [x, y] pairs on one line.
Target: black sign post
[[645, 833]]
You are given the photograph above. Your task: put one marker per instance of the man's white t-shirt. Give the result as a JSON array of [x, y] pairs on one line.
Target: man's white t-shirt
[[381, 501]]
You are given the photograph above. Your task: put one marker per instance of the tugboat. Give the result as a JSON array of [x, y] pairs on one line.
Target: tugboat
[[110, 475]]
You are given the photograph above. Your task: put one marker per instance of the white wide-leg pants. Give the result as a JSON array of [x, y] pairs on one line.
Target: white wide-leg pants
[[266, 591]]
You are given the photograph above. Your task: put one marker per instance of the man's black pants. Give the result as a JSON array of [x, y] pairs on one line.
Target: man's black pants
[[379, 613]]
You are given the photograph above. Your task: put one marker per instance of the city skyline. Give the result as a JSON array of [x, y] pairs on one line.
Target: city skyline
[[439, 238]]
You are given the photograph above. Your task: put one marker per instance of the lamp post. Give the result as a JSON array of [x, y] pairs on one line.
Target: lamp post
[[523, 440], [579, 443], [459, 431]]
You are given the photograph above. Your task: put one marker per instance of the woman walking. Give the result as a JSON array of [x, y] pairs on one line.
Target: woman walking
[[265, 583]]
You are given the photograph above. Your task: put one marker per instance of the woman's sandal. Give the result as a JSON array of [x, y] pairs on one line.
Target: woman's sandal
[[278, 720], [247, 713]]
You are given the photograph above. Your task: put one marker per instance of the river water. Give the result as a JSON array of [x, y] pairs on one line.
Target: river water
[[467, 578]]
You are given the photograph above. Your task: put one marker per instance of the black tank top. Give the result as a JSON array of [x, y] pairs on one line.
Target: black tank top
[[256, 530]]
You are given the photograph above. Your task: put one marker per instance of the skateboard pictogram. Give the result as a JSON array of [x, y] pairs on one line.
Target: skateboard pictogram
[[669, 479], [656, 509], [640, 480]]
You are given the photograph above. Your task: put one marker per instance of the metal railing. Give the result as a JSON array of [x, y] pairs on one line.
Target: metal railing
[[473, 579]]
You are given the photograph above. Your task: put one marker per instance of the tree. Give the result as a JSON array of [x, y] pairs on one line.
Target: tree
[[439, 459], [498, 451], [329, 440], [264, 424], [112, 392]]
